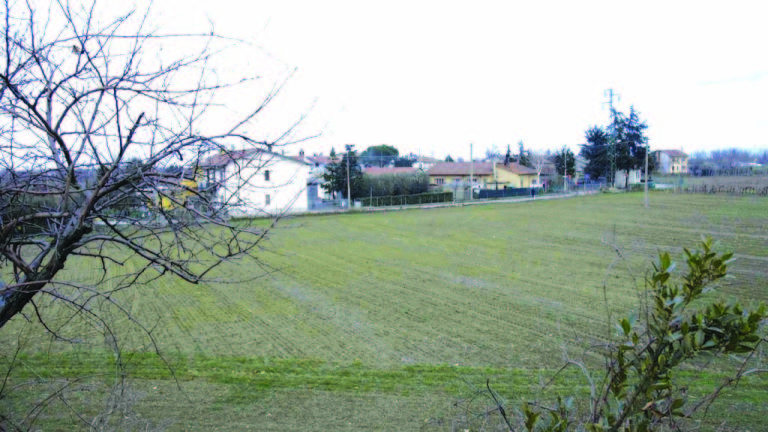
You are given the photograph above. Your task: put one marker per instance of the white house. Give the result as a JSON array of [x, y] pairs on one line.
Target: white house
[[425, 162], [258, 182], [671, 161], [318, 164], [622, 179]]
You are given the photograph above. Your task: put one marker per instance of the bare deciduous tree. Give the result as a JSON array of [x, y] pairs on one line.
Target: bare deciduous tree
[[537, 161], [100, 141], [493, 153], [94, 132]]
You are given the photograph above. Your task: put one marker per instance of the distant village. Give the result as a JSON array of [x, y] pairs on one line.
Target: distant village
[[263, 181]]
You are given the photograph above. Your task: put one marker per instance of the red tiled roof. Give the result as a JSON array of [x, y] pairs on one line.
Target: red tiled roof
[[517, 168], [478, 168], [324, 160], [222, 159], [461, 168], [673, 153], [387, 170]]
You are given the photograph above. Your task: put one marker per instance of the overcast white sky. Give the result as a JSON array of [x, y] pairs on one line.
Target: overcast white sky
[[433, 77]]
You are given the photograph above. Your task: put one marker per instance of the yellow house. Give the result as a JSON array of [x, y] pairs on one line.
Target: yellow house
[[486, 175], [171, 196]]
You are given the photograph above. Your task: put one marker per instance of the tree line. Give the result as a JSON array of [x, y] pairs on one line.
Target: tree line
[[346, 175], [619, 146], [731, 161]]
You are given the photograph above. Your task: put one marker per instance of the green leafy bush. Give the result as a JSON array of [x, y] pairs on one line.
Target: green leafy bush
[[394, 184], [634, 392]]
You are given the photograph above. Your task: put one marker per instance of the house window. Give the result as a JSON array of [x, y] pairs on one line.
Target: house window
[[439, 180], [266, 176], [267, 199], [214, 175]]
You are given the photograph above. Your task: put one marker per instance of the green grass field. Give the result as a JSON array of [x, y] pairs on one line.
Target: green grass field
[[382, 321]]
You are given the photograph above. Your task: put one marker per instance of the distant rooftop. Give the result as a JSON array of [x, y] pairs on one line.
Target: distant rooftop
[[673, 153], [394, 170], [224, 158], [478, 168]]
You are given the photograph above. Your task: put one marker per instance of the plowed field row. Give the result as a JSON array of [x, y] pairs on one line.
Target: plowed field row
[[497, 285]]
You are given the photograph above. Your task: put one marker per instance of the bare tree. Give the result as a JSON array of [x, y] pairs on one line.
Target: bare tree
[[537, 161], [100, 150], [493, 153], [100, 141], [93, 138]]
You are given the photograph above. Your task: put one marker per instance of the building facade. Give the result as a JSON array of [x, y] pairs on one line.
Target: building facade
[[485, 175], [671, 162], [258, 182]]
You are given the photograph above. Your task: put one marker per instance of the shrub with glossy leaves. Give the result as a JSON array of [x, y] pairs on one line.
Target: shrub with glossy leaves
[[635, 391]]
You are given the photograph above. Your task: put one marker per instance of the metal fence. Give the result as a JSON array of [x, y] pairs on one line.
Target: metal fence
[[725, 189], [320, 205], [591, 187], [582, 187], [507, 193], [403, 200]]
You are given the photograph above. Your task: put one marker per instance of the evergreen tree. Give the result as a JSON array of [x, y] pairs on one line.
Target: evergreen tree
[[508, 158], [596, 152], [524, 158], [630, 142], [449, 158], [565, 162], [335, 176], [619, 147]]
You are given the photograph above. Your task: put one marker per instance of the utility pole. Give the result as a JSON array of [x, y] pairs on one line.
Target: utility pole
[[610, 95], [565, 169], [471, 174], [349, 186], [612, 149], [646, 174]]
